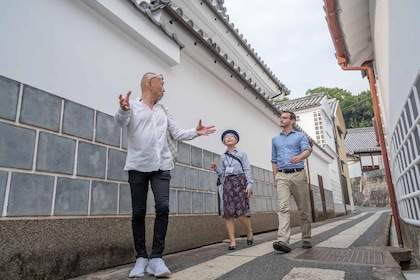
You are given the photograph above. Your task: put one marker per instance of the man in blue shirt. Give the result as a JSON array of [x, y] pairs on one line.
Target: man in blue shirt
[[289, 149]]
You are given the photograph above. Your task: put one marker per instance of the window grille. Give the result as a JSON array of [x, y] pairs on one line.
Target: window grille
[[318, 128], [405, 157]]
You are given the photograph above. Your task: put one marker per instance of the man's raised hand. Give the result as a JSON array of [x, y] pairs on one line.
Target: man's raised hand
[[125, 101], [204, 130]]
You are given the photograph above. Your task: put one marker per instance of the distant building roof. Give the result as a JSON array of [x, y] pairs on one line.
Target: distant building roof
[[302, 103], [361, 140]]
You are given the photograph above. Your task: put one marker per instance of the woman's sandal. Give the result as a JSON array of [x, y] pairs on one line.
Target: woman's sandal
[[231, 248], [249, 242]]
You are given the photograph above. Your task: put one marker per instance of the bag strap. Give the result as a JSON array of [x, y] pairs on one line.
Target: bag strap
[[164, 110], [234, 157]]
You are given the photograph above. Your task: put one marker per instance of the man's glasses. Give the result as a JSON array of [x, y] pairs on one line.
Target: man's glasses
[[157, 76]]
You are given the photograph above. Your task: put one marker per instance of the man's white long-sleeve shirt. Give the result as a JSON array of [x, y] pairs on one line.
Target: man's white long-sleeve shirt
[[147, 146]]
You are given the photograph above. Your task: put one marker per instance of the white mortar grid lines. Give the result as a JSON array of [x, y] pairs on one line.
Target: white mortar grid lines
[[19, 104], [6, 194], [106, 163], [94, 126], [53, 196], [35, 150], [89, 197], [76, 158], [61, 121]]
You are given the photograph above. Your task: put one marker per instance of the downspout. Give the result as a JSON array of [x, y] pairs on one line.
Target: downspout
[[342, 61], [311, 192], [382, 144]]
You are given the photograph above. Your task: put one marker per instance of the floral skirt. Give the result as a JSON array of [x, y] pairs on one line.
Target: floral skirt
[[235, 200]]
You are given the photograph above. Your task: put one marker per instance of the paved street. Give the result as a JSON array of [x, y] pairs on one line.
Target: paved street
[[347, 247]]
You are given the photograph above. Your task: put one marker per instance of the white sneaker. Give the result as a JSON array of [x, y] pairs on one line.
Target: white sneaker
[[139, 268], [157, 268]]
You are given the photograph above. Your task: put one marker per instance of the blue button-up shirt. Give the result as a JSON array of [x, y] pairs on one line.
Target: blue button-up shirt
[[284, 147]]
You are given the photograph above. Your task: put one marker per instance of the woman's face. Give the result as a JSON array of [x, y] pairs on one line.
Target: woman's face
[[229, 139]]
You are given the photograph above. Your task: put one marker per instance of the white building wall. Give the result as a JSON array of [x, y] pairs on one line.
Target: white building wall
[[317, 159], [397, 64], [306, 122], [396, 41], [331, 176], [354, 169], [77, 51], [70, 50], [327, 125]]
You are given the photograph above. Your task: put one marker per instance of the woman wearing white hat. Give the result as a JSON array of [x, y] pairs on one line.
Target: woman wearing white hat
[[235, 169]]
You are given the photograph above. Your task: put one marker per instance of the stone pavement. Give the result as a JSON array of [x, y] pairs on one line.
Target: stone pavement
[[348, 247]]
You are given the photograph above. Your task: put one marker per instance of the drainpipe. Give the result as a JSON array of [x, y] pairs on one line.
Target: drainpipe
[[331, 17], [382, 144], [311, 192]]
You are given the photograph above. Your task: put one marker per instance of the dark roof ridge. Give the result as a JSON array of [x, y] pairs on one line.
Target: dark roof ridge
[[307, 97], [370, 128], [148, 9], [221, 12]]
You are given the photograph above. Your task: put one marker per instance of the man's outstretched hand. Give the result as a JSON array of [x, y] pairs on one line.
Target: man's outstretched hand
[[125, 101], [204, 130]]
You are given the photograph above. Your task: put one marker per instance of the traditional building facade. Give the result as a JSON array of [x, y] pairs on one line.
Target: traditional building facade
[[367, 173], [380, 39], [340, 133], [64, 198]]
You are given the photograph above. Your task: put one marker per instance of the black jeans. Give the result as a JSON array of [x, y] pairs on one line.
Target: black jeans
[[139, 186]]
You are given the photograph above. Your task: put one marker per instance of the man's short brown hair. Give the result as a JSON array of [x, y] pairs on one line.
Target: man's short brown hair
[[291, 114]]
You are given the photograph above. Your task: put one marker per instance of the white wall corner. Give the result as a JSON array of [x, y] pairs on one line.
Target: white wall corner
[[126, 17]]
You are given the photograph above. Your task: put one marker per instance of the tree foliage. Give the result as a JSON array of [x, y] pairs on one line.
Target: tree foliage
[[357, 109]]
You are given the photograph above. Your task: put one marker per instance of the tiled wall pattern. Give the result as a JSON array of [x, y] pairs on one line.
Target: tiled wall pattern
[[60, 158]]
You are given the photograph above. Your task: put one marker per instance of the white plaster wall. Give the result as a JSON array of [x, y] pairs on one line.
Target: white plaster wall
[[335, 180], [331, 176], [68, 49], [327, 125], [354, 170], [318, 165], [396, 42], [306, 122]]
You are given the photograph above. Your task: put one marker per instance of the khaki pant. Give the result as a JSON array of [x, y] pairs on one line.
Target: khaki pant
[[295, 184]]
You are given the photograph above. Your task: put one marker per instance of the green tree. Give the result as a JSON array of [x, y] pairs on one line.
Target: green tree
[[277, 101], [357, 109]]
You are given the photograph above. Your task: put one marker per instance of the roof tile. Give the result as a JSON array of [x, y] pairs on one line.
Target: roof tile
[[359, 140]]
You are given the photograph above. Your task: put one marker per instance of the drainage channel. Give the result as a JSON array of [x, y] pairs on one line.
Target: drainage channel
[[348, 256]]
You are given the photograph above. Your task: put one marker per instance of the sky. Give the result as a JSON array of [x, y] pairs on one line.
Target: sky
[[293, 39]]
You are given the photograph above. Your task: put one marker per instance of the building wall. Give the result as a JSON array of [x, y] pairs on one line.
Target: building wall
[[399, 87], [329, 204], [61, 179], [64, 197], [330, 175], [371, 189], [398, 83], [91, 61], [342, 156]]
